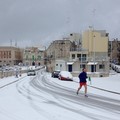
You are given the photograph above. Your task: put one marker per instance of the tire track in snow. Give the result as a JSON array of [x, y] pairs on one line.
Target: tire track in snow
[[67, 99]]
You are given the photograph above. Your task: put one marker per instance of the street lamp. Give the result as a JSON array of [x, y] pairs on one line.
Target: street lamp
[[94, 10], [94, 51], [81, 59]]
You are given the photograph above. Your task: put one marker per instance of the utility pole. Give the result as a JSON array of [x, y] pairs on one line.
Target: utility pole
[[111, 51], [81, 58], [94, 51], [94, 40]]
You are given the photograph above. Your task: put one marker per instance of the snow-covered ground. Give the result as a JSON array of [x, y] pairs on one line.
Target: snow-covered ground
[[46, 98]]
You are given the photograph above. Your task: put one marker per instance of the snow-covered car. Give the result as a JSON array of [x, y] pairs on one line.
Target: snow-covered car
[[31, 73], [55, 74], [65, 75]]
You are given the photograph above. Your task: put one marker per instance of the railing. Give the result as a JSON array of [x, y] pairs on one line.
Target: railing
[[86, 59], [98, 59], [78, 49]]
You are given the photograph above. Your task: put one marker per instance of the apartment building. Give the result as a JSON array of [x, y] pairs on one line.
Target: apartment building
[[10, 55], [75, 53], [58, 54], [91, 52], [33, 56], [96, 42], [59, 49], [114, 51]]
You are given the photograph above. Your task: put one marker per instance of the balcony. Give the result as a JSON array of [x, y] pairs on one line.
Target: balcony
[[89, 59], [77, 49], [84, 59]]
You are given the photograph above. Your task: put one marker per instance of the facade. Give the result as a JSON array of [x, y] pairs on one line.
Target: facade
[[114, 51], [96, 42], [58, 51], [75, 37], [10, 55], [77, 60], [91, 52], [33, 56], [60, 65]]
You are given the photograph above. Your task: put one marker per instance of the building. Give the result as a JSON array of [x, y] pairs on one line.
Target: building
[[75, 37], [58, 51], [114, 51], [33, 56], [96, 42], [77, 60], [74, 53], [10, 55]]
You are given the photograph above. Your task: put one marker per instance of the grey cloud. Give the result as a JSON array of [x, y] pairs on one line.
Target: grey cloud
[[41, 21]]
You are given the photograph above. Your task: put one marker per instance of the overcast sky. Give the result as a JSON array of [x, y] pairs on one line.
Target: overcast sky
[[39, 22]]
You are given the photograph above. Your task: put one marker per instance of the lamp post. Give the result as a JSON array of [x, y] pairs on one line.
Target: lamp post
[[45, 56], [111, 51], [94, 51], [94, 10], [81, 59]]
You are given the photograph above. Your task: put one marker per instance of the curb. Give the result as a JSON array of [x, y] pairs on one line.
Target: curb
[[102, 89]]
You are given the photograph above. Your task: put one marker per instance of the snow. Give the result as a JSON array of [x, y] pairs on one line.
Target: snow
[[46, 98], [66, 74]]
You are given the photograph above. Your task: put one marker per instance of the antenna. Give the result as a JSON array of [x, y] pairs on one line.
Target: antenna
[[11, 43], [94, 10], [15, 43]]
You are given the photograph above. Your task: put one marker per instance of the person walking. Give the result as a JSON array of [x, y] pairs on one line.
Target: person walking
[[82, 81], [16, 73]]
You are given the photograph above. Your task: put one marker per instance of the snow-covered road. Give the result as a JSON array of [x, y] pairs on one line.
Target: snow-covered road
[[46, 98]]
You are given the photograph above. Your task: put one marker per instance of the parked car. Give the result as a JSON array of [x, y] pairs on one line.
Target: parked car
[[31, 73], [55, 74], [65, 75]]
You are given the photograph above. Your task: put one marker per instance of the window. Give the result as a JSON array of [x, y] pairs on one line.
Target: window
[[78, 55], [9, 53], [82, 66], [4, 54], [26, 57], [73, 56], [84, 57], [101, 66], [39, 57], [33, 57]]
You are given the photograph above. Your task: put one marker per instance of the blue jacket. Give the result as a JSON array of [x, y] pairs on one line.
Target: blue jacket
[[82, 77]]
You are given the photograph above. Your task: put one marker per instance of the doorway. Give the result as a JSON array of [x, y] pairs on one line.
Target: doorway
[[93, 68], [70, 68]]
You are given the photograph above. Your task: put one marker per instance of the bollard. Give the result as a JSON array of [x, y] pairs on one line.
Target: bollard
[[89, 78]]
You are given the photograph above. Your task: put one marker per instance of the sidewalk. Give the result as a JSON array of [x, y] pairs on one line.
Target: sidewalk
[[7, 80], [104, 86]]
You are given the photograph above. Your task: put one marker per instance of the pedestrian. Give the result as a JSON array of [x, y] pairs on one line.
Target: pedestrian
[[82, 81], [16, 73], [20, 72]]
